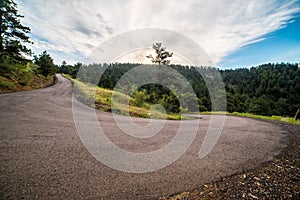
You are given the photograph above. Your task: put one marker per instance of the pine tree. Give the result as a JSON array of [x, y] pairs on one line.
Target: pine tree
[[12, 33], [45, 63], [161, 54]]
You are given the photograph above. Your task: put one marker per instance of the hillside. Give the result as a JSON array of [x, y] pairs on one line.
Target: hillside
[[101, 99], [269, 89], [20, 77]]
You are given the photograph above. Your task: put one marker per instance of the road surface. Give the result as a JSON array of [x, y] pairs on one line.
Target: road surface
[[42, 156]]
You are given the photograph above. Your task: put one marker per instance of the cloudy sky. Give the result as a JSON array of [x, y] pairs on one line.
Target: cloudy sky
[[239, 33]]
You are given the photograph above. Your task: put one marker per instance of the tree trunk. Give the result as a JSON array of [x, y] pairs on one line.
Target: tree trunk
[[1, 31]]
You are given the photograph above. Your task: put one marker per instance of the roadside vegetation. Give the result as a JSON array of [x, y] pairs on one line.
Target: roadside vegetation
[[101, 99], [269, 90], [291, 120], [18, 77], [16, 71]]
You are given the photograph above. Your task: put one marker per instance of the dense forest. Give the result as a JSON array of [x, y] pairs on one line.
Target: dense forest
[[269, 89]]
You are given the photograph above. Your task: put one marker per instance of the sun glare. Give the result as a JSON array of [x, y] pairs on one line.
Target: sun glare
[[139, 56]]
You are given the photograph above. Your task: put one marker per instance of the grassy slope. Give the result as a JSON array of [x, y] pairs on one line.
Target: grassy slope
[[103, 101], [273, 117], [18, 77]]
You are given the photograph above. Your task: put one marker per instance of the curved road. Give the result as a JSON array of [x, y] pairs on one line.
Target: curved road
[[42, 156]]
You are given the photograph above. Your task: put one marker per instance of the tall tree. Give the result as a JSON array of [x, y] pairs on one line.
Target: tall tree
[[161, 54], [12, 32]]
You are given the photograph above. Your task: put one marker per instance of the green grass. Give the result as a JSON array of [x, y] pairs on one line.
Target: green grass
[[102, 100], [214, 113], [254, 116], [7, 84], [273, 117], [17, 77]]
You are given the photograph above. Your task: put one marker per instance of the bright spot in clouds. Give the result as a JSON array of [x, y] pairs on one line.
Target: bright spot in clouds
[[139, 56], [70, 29]]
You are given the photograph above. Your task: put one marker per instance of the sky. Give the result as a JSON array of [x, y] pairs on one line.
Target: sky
[[234, 34]]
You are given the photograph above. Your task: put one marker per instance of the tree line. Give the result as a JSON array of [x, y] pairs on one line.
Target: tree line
[[268, 89]]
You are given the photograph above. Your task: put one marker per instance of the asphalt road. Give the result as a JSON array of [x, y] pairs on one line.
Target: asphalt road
[[43, 157]]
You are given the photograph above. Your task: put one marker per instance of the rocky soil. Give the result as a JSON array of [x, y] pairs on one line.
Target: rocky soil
[[276, 179]]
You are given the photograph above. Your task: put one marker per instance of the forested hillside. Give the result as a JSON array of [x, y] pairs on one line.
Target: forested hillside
[[269, 89]]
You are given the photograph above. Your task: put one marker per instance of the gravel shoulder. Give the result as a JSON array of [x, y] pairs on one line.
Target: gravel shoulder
[[278, 178]]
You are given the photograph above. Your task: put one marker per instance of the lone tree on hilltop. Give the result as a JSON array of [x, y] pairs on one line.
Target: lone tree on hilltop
[[161, 54], [12, 32]]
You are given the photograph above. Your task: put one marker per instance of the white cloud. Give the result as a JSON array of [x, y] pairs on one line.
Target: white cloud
[[70, 29]]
